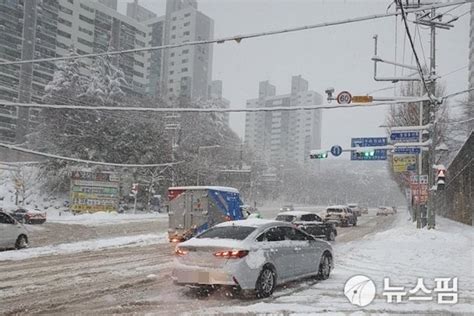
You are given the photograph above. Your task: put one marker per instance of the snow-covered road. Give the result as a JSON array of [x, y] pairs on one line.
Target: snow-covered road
[[136, 279]]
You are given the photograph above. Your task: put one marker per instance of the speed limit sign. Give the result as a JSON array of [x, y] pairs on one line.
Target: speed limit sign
[[344, 97]]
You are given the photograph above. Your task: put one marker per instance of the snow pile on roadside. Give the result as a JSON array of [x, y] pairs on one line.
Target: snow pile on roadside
[[88, 245], [403, 254], [101, 218]]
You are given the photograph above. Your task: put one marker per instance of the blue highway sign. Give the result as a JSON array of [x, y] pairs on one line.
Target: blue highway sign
[[336, 150], [407, 151], [405, 136], [380, 154]]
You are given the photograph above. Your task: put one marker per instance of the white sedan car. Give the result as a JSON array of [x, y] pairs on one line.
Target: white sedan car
[[12, 233], [252, 254]]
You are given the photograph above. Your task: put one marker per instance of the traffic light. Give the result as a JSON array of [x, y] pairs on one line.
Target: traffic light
[[365, 153], [318, 155], [440, 179]]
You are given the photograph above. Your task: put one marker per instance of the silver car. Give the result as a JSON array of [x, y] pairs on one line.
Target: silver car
[[252, 254], [12, 233]]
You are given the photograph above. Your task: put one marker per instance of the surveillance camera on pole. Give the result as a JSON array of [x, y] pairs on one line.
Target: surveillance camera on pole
[[330, 91]]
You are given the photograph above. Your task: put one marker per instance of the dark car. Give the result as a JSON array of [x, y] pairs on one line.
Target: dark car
[[28, 216], [311, 223]]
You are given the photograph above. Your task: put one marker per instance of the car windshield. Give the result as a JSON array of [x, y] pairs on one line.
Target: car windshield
[[228, 232], [334, 210], [285, 218]]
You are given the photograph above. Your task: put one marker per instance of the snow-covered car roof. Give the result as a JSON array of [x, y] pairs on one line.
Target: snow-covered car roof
[[295, 213], [251, 222], [215, 188], [337, 206], [308, 223]]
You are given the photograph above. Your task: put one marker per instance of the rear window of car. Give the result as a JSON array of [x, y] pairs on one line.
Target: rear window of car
[[334, 210], [228, 232], [286, 218]]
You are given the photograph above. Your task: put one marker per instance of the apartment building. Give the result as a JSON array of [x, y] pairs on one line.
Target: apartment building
[[287, 136]]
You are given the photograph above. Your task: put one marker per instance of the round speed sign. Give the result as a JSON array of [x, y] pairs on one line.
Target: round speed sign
[[344, 97]]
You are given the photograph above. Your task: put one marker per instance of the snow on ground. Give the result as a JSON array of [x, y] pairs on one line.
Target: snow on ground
[[402, 253], [101, 218], [88, 245]]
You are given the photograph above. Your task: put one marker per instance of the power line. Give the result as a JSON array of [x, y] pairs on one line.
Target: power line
[[91, 162], [457, 93], [213, 110], [412, 44], [237, 38]]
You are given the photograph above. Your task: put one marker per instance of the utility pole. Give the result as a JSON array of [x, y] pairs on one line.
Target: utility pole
[[433, 134]]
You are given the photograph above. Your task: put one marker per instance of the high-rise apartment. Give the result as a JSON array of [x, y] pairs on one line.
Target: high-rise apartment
[[186, 71], [139, 13], [288, 136], [27, 31]]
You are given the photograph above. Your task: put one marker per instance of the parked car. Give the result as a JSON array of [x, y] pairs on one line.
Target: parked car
[[341, 216], [311, 223], [385, 211], [355, 209], [364, 210], [25, 216], [251, 255], [12, 233]]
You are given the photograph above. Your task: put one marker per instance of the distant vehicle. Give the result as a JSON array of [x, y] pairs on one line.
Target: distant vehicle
[[311, 223], [287, 208], [355, 209], [394, 208], [364, 210], [12, 233], [385, 211], [341, 216], [194, 209], [25, 216], [251, 255]]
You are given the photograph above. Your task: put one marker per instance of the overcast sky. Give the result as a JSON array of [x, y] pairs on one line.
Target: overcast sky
[[337, 56]]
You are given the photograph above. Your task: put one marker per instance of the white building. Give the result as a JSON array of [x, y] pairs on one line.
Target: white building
[[287, 136], [215, 94], [92, 27], [186, 71]]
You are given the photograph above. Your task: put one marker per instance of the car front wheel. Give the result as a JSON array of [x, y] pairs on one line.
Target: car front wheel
[[265, 283], [325, 267], [21, 242]]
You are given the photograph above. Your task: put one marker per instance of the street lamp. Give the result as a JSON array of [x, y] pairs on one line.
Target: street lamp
[[199, 154]]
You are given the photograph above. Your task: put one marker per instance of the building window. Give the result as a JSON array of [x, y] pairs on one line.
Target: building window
[[171, 81], [173, 36], [83, 18], [187, 23], [186, 33], [187, 14], [174, 27], [171, 72], [171, 89], [174, 18], [184, 61], [65, 10], [81, 29], [62, 21], [172, 54], [64, 34], [87, 8], [184, 69], [186, 51]]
